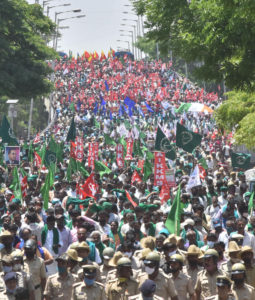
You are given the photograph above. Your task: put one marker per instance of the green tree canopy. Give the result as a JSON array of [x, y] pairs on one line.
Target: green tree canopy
[[23, 51], [218, 33], [238, 114]]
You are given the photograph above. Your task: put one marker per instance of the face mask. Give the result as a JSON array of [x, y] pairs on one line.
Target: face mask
[[9, 291], [229, 230], [16, 267], [210, 244], [171, 253], [7, 269], [149, 270], [128, 254], [89, 282], [62, 270]]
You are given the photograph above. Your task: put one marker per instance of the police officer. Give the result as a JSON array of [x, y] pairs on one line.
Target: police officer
[[247, 257], [206, 280], [24, 279], [147, 291], [182, 282], [89, 288], [123, 286], [234, 257], [11, 283], [73, 261], [59, 285], [165, 285], [242, 290], [106, 268], [35, 266], [224, 291]]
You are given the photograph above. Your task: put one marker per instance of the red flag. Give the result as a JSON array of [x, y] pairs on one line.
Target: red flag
[[130, 199], [72, 150], [80, 193], [202, 172], [37, 139], [23, 186], [129, 150], [93, 154], [79, 148], [159, 169], [119, 155], [164, 193], [37, 160], [90, 186], [136, 177]]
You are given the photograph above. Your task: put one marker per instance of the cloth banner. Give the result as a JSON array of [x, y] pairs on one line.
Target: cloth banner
[[159, 168]]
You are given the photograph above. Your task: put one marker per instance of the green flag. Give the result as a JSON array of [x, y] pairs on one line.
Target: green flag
[[108, 140], [186, 139], [127, 124], [82, 169], [137, 149], [184, 107], [42, 153], [71, 135], [203, 163], [101, 168], [163, 144], [123, 142], [96, 123], [172, 223], [250, 205], [49, 180], [71, 107], [240, 160], [50, 158], [15, 186], [7, 133], [147, 169]]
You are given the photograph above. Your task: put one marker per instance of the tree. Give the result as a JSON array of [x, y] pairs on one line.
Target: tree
[[238, 114], [23, 51], [217, 33]]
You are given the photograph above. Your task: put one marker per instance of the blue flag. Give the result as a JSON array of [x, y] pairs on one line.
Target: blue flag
[[102, 101], [130, 113], [148, 107], [106, 85], [110, 114], [129, 102], [120, 111], [78, 105], [95, 108]]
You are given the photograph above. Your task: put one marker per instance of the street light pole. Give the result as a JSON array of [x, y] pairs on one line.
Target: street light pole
[[125, 42], [132, 36]]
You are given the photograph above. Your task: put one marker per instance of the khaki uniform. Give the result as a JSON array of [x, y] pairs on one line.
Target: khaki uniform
[[58, 288], [36, 269], [113, 274], [250, 276], [77, 269], [192, 273], [116, 290], [2, 253], [216, 297], [165, 285], [183, 286], [82, 292], [24, 280], [140, 297], [206, 283], [227, 267], [104, 271], [247, 292]]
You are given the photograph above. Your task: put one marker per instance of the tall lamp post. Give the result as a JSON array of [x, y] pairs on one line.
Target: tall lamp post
[[125, 42], [132, 37]]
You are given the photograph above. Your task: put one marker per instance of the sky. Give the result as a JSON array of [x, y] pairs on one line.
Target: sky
[[98, 31]]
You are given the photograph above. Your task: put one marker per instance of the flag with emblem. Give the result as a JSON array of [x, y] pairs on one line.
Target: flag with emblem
[[36, 139], [50, 158], [163, 144], [7, 133], [186, 139], [71, 135], [240, 160], [90, 186]]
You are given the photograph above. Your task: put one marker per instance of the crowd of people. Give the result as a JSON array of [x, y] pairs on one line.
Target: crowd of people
[[100, 230]]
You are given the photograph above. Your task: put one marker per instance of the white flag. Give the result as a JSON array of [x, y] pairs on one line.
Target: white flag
[[194, 179]]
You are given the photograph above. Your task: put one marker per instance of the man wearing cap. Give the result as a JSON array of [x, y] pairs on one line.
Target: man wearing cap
[[247, 257], [182, 282], [234, 257], [192, 268], [147, 291], [241, 290], [105, 268], [224, 291], [123, 286], [165, 285], [11, 283], [89, 288], [59, 285], [6, 239], [35, 266], [73, 261], [206, 280]]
